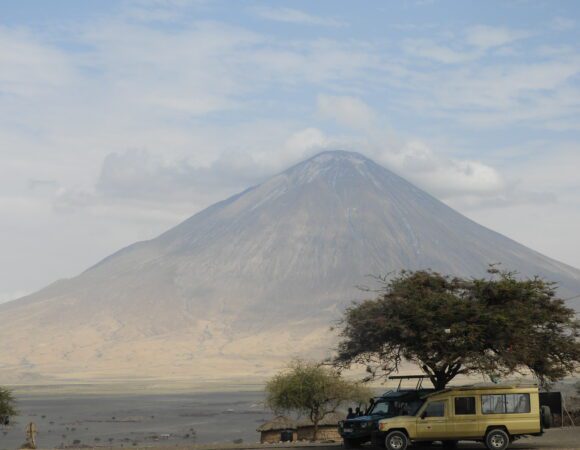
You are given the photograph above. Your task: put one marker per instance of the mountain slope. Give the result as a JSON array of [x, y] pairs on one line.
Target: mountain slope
[[240, 286]]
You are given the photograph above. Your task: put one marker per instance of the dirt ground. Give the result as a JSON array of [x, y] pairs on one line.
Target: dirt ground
[[557, 438], [568, 437]]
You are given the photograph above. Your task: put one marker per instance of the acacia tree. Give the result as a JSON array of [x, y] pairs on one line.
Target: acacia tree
[[312, 389], [450, 326], [7, 405]]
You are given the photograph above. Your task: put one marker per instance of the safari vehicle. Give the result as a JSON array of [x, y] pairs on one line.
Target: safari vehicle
[[493, 414], [358, 430]]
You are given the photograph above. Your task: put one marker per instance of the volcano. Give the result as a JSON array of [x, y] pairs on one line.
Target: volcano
[[238, 289]]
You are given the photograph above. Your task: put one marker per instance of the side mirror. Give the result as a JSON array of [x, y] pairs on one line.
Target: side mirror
[[423, 414]]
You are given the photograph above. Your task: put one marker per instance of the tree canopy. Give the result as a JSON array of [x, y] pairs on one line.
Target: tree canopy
[[313, 390], [449, 326], [7, 404]]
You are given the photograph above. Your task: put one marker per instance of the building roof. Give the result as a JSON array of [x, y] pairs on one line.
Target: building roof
[[278, 423]]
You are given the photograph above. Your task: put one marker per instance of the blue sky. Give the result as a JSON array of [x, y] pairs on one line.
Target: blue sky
[[121, 118]]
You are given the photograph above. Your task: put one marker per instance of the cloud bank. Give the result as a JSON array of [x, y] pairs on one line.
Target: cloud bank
[[118, 124]]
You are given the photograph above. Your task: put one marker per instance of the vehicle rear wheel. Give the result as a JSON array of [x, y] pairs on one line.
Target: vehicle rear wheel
[[497, 439], [396, 440]]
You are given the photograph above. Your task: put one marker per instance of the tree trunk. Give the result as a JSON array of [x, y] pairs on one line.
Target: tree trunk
[[440, 377], [315, 433], [440, 383]]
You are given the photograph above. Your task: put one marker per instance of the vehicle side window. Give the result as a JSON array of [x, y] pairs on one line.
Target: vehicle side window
[[464, 405], [435, 409], [415, 406], [505, 403], [517, 403], [492, 404]]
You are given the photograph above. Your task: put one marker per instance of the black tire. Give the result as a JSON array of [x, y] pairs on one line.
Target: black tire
[[546, 419], [450, 445], [350, 443], [396, 440], [497, 439]]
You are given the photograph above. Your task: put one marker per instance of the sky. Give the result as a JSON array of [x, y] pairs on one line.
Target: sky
[[119, 119]]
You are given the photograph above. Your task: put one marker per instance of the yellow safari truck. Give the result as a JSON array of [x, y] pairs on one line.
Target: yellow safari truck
[[493, 414]]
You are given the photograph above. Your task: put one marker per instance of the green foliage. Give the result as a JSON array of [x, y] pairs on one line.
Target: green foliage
[[7, 403], [451, 326], [313, 390]]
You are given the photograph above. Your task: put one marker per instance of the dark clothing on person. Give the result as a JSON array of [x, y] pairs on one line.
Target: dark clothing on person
[[350, 414]]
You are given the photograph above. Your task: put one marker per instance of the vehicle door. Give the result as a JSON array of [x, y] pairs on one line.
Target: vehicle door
[[463, 422], [432, 420]]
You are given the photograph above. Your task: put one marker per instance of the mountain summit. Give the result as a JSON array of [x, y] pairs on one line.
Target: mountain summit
[[238, 288]]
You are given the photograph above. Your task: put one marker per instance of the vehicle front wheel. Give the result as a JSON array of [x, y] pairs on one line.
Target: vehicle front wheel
[[396, 440], [497, 439]]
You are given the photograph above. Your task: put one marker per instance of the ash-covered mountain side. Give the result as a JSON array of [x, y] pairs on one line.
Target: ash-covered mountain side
[[252, 280]]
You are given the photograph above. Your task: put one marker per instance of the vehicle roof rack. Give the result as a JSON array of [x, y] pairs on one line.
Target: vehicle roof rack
[[419, 379]]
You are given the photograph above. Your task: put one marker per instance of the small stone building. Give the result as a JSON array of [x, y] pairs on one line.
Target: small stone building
[[279, 429], [327, 429]]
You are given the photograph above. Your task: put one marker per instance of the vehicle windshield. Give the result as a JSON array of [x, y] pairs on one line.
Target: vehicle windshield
[[395, 408], [381, 408]]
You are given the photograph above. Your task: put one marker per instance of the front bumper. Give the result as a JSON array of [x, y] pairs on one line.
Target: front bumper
[[355, 431]]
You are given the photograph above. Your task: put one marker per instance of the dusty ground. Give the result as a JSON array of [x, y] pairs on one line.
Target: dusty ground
[[566, 438]]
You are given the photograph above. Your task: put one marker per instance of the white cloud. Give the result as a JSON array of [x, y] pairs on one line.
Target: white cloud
[[517, 83], [150, 178], [466, 183], [474, 44], [347, 111], [295, 16], [423, 48], [549, 222], [30, 67], [486, 37], [306, 141], [502, 95], [444, 177]]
